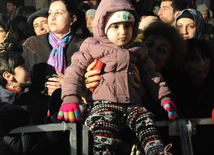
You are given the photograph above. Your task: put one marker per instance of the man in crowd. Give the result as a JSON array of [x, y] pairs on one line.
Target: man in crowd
[[208, 21], [11, 8], [169, 9], [39, 21], [89, 16]]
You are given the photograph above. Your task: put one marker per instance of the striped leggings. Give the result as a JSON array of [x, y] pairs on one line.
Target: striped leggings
[[106, 118]]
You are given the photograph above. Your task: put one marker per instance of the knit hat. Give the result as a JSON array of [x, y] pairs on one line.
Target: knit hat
[[90, 12], [87, 3], [120, 16], [204, 8]]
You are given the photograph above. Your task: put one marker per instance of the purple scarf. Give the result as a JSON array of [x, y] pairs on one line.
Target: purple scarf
[[57, 57]]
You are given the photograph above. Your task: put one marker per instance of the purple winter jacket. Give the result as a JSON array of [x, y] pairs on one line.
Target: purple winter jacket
[[118, 78]]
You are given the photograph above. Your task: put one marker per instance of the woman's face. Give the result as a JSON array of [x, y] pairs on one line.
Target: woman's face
[[2, 34], [197, 67], [186, 27], [59, 19], [159, 50]]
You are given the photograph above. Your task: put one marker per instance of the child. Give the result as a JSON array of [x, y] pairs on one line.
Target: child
[[115, 101], [14, 79]]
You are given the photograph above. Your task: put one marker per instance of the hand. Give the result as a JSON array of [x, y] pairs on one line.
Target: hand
[[171, 108], [90, 79], [145, 21], [54, 83], [70, 111]]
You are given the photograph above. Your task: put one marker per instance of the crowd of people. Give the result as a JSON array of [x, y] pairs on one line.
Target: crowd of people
[[156, 61]]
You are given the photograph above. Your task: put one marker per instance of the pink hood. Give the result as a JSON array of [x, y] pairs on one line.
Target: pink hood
[[105, 8]]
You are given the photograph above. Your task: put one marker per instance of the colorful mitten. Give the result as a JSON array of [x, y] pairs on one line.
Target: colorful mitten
[[70, 111], [171, 108]]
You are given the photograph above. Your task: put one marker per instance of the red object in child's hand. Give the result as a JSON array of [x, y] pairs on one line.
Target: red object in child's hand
[[213, 114], [98, 65]]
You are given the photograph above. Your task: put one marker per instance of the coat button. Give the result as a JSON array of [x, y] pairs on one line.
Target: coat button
[[126, 99]]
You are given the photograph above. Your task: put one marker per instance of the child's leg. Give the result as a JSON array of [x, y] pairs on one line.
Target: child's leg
[[141, 121], [104, 121]]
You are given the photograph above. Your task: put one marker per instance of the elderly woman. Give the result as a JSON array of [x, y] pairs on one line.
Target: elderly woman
[[190, 24], [8, 38]]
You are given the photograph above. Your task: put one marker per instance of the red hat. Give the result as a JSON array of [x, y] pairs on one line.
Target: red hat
[[86, 2]]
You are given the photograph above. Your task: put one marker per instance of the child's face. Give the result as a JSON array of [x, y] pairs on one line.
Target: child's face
[[22, 76], [120, 33]]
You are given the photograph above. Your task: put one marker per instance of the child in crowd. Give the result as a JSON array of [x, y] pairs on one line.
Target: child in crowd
[[115, 101], [14, 81]]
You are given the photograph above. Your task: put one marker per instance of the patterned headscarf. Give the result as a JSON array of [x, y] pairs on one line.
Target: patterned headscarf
[[9, 41], [57, 57], [198, 19]]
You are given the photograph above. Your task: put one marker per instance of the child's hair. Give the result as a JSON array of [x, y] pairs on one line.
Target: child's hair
[[8, 62]]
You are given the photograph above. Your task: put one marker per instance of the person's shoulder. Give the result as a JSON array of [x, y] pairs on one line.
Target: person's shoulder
[[31, 97], [88, 42], [83, 43], [211, 21], [91, 40], [39, 38], [35, 42], [138, 44], [76, 39]]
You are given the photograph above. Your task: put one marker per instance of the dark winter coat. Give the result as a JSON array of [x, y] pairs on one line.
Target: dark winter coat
[[24, 143], [12, 115], [36, 51]]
